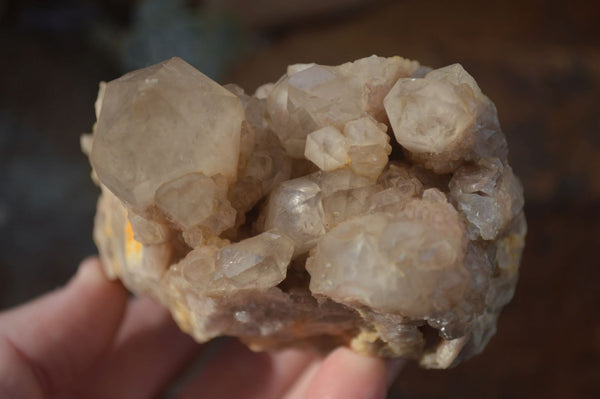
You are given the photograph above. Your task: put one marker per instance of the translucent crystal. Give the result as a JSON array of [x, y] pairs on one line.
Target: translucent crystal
[[191, 199], [258, 262], [443, 119], [296, 210], [489, 195], [263, 162], [284, 217], [409, 263], [160, 123], [343, 204], [313, 96], [327, 148]]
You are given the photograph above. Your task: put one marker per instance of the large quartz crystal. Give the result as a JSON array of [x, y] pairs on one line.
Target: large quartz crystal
[[368, 204]]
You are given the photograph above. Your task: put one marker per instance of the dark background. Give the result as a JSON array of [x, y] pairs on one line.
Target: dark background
[[539, 61]]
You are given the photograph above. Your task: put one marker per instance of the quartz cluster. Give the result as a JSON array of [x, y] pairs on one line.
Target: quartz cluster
[[368, 204]]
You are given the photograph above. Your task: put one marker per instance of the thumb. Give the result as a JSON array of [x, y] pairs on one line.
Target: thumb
[[45, 344]]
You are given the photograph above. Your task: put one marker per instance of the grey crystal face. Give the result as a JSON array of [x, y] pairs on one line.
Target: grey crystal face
[[285, 218]]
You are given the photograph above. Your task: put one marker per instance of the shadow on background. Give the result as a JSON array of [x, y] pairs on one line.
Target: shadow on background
[[539, 62]]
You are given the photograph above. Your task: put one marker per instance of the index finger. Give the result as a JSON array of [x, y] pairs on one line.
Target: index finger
[[47, 343]]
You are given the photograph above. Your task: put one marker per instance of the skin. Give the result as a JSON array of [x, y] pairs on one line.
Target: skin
[[89, 340]]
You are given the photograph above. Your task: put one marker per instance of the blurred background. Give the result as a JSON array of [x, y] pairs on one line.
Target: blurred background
[[539, 61]]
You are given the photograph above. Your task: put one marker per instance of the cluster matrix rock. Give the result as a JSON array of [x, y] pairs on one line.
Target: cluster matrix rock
[[368, 204]]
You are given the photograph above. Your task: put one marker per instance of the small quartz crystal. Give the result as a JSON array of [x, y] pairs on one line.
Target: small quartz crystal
[[367, 204]]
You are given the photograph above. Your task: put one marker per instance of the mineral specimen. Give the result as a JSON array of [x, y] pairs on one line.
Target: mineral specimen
[[368, 204]]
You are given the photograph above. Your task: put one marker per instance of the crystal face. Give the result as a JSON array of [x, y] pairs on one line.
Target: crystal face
[[365, 204], [174, 111]]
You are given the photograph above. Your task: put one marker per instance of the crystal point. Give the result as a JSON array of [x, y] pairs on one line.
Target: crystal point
[[168, 120]]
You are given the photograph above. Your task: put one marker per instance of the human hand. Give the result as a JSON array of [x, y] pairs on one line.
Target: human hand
[[88, 340]]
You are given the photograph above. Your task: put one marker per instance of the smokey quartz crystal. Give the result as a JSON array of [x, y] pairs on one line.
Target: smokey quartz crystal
[[368, 204]]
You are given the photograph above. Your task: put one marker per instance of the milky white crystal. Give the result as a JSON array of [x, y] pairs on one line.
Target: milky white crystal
[[365, 204], [295, 208], [410, 262], [441, 119], [327, 148], [256, 262], [310, 97]]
